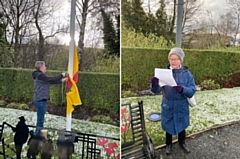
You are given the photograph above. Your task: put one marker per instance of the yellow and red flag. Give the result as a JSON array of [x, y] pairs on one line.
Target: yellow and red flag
[[72, 95]]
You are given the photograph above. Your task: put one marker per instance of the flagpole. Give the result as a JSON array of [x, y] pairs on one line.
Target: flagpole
[[70, 58], [179, 22]]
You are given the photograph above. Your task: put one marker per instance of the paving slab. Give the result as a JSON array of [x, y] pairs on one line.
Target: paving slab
[[217, 143]]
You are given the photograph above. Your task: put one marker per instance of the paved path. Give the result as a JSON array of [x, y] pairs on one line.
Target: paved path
[[220, 143]]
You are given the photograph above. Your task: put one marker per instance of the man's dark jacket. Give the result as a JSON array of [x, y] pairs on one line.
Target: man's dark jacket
[[41, 85]]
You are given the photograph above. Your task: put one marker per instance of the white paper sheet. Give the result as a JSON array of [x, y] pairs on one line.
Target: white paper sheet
[[165, 77]]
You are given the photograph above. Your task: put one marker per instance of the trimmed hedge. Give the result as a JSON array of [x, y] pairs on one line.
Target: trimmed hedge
[[137, 65], [97, 90]]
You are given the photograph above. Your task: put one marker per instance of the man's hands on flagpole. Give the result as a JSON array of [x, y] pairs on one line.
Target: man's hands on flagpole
[[65, 79]]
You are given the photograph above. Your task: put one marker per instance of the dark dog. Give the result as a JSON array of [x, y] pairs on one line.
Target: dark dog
[[65, 147], [64, 150], [35, 145], [47, 148], [40, 144]]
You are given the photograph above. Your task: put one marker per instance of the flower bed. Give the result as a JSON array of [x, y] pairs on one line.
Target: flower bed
[[109, 148]]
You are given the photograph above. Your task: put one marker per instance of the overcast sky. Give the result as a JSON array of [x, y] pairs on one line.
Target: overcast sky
[[92, 36], [215, 6]]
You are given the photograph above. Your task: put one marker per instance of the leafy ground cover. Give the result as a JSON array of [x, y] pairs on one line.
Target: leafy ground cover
[[53, 121], [213, 107]]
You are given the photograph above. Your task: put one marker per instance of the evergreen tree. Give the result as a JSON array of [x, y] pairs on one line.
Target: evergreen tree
[[162, 22], [151, 24], [134, 16], [117, 45], [2, 29], [111, 37], [125, 12]]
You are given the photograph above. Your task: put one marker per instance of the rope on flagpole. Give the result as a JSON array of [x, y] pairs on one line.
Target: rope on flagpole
[[64, 89], [63, 92]]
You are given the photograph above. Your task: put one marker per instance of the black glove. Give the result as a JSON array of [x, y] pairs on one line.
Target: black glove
[[155, 81], [178, 89]]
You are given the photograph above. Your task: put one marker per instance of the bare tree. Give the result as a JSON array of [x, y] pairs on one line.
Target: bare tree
[[191, 8], [226, 24], [84, 7], [30, 22], [235, 12], [18, 15], [173, 16], [45, 24]]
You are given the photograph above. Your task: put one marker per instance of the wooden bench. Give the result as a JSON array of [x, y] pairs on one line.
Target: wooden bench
[[141, 146]]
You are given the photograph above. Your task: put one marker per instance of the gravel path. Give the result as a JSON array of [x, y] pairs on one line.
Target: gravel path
[[220, 143]]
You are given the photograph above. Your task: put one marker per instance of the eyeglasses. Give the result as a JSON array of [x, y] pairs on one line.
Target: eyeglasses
[[173, 60]]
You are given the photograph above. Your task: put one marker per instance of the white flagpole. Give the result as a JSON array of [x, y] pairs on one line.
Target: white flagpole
[[71, 51]]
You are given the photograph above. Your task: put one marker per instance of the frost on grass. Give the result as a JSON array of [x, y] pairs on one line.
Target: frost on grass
[[52, 121], [213, 108]]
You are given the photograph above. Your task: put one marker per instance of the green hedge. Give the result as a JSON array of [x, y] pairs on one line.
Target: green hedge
[[97, 90], [137, 65]]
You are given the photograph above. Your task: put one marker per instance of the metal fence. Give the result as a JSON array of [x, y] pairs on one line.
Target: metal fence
[[55, 143]]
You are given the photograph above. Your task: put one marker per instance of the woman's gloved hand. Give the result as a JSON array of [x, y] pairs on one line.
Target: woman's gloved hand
[[178, 89], [154, 81]]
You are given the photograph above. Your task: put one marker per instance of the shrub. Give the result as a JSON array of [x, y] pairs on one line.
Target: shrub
[[18, 106], [12, 105], [2, 103], [23, 107], [138, 64], [234, 79], [130, 38], [128, 93], [103, 119], [106, 65], [209, 85], [97, 90]]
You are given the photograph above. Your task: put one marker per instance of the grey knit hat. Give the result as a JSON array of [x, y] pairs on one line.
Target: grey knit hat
[[177, 51]]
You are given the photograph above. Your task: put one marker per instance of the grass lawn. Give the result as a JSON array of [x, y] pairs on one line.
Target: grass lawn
[[52, 121], [213, 108]]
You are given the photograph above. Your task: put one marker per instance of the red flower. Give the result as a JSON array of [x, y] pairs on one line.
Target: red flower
[[102, 142], [112, 145], [118, 156], [122, 116], [229, 86], [109, 151], [124, 128], [123, 110]]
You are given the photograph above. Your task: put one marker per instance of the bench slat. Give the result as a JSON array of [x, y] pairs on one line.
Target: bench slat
[[137, 147]]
